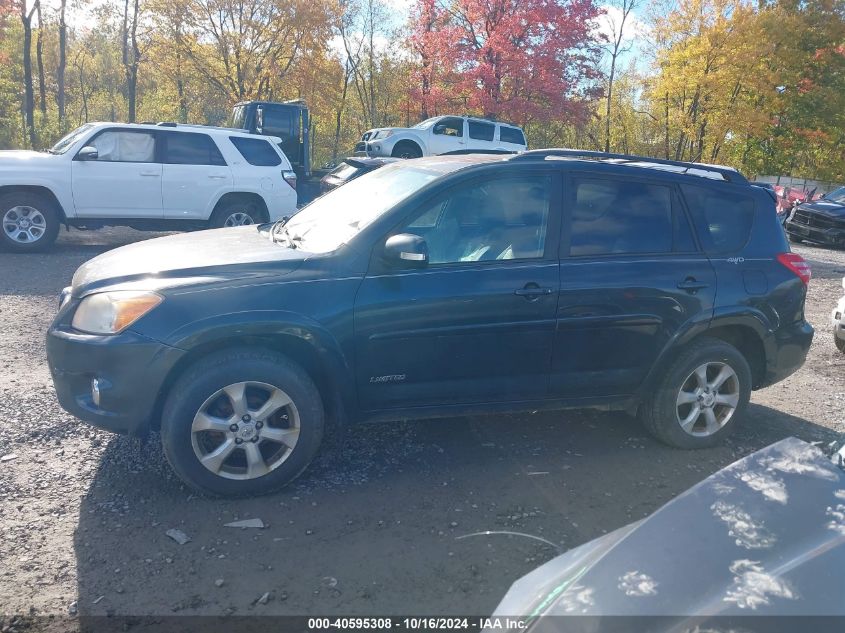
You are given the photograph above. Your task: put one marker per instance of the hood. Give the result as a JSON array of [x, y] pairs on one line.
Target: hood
[[20, 157], [763, 536], [377, 133], [825, 207], [228, 253]]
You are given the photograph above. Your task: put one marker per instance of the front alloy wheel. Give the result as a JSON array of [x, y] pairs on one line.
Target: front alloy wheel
[[24, 224], [245, 430]]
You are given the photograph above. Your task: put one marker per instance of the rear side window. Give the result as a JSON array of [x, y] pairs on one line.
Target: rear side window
[[182, 148], [481, 131], [511, 135], [622, 218], [256, 151], [723, 219]]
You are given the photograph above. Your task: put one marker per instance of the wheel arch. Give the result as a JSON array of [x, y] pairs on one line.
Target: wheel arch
[[231, 197], [409, 140], [37, 189], [325, 366]]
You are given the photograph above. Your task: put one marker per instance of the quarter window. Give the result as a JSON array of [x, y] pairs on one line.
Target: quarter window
[[124, 146], [723, 221], [183, 148], [481, 131], [501, 219], [511, 135], [256, 151], [623, 217]]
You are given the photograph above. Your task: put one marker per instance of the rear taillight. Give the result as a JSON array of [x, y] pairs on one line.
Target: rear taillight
[[796, 263], [290, 178]]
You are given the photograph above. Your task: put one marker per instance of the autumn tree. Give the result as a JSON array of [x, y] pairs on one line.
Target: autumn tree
[[518, 58], [617, 16]]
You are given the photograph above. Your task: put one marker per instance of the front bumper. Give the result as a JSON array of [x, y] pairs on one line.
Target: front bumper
[[786, 351], [373, 148], [829, 236], [130, 369]]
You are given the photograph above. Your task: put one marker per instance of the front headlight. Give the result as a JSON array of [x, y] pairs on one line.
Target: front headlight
[[113, 312]]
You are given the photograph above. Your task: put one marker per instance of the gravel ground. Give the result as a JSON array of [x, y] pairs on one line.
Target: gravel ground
[[386, 526]]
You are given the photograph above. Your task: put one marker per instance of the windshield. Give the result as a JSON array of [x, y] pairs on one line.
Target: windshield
[[837, 195], [335, 218], [424, 125], [69, 139]]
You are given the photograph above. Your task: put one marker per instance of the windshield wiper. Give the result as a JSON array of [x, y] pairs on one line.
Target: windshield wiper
[[277, 227]]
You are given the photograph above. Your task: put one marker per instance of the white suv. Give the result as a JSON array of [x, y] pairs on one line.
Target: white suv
[[442, 135], [158, 177]]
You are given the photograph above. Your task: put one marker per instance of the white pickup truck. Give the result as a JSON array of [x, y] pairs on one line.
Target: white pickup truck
[[442, 135], [159, 177]]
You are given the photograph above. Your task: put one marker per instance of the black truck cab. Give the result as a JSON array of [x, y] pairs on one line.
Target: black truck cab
[[289, 120]]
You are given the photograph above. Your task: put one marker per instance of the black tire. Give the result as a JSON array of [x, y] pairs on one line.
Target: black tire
[[659, 412], [406, 149], [225, 213], [43, 219], [794, 239], [193, 389], [840, 343]]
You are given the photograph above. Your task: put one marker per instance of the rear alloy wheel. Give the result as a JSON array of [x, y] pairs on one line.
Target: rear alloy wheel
[[700, 397], [242, 422], [28, 222], [237, 213]]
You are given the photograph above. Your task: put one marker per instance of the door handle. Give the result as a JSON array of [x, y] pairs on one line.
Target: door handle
[[150, 173], [532, 291], [216, 176], [691, 284]]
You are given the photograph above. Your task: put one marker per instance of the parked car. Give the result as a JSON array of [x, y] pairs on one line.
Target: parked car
[[441, 135], [838, 320], [159, 177], [350, 169], [821, 221], [439, 286], [764, 537]]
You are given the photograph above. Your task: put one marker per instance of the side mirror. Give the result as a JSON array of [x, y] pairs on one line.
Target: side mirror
[[88, 153], [259, 120], [406, 250]]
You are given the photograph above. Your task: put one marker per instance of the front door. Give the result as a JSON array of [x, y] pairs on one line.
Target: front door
[[633, 276], [125, 179], [447, 135], [477, 323]]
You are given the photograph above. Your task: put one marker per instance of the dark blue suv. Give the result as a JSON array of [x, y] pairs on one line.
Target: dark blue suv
[[440, 286]]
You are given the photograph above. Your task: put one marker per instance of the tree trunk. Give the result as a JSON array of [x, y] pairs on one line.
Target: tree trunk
[[609, 97], [339, 112], [60, 71], [131, 57], [29, 100], [39, 61]]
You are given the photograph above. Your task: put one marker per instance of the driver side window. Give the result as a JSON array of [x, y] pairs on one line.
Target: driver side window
[[501, 219], [453, 126]]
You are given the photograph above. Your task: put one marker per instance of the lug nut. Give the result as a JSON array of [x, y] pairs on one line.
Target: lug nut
[[233, 427], [254, 439], [259, 424], [238, 440], [246, 418]]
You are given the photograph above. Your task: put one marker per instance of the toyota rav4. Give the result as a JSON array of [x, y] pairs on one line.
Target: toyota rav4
[[440, 286]]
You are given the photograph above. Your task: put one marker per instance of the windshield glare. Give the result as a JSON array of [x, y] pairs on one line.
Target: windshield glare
[[837, 195], [423, 125], [69, 139], [335, 218]]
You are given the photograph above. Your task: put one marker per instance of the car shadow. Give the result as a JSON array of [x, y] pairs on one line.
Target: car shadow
[[434, 517]]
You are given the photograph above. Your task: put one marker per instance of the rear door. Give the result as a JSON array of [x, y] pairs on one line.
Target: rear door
[[125, 179], [481, 134], [477, 324], [631, 275], [195, 175]]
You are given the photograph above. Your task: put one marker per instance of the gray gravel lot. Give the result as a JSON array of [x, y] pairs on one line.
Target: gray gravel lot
[[372, 529]]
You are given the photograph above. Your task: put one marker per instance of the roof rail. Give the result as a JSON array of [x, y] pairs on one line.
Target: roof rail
[[167, 124], [727, 173]]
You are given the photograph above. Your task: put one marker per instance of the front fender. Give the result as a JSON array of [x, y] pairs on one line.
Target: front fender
[[261, 325]]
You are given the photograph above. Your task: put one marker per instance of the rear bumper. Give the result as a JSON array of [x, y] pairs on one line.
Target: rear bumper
[[829, 236], [787, 351], [130, 370]]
